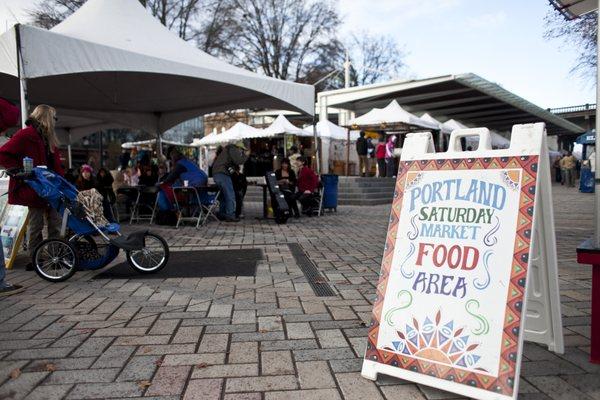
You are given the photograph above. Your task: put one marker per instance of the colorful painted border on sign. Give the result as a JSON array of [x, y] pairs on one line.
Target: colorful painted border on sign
[[504, 383]]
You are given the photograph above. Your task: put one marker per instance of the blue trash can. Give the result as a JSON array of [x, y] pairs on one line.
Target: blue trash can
[[330, 191], [586, 182]]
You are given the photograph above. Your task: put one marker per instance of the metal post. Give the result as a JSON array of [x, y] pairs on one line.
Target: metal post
[[348, 153], [317, 147], [597, 148], [101, 133], [69, 155], [22, 78]]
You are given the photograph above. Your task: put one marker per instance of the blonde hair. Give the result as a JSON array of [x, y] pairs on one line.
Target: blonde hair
[[44, 116]]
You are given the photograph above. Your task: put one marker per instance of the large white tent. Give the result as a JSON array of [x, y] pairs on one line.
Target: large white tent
[[239, 131], [281, 126], [442, 127], [327, 129], [392, 114], [112, 64]]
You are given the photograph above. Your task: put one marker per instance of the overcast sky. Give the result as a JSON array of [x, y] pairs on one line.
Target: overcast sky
[[500, 40]]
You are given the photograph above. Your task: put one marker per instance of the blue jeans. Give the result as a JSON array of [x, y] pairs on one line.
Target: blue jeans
[[2, 267], [227, 200]]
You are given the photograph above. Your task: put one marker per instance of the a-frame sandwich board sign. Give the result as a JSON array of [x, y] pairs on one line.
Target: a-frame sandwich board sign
[[470, 246]]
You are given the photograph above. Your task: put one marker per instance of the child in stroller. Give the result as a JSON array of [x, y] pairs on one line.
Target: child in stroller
[[57, 259]]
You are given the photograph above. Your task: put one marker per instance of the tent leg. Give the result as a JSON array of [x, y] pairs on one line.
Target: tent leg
[[24, 101], [159, 149], [69, 155], [597, 148], [316, 140], [22, 78], [348, 153], [101, 148]]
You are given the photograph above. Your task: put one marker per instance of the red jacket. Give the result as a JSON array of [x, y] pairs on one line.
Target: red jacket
[[307, 180], [380, 152], [26, 142]]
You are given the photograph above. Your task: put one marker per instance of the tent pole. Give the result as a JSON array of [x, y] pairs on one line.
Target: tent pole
[[101, 133], [348, 153], [597, 152], [316, 140], [69, 155], [159, 150], [22, 78]]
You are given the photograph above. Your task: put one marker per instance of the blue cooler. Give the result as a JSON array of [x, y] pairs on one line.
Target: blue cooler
[[330, 191]]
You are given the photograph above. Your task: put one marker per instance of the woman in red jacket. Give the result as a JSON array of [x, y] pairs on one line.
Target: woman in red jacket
[[308, 183], [37, 141]]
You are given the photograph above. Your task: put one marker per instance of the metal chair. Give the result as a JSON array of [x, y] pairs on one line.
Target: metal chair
[[188, 198], [147, 200], [209, 202]]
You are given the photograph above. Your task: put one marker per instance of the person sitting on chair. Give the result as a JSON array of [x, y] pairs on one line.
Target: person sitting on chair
[[104, 185], [308, 183], [86, 180], [184, 173], [286, 178]]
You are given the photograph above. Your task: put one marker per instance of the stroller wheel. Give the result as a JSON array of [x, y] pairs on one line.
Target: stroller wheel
[[152, 258], [55, 260]]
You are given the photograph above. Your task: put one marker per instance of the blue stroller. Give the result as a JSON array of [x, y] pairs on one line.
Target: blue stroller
[[57, 259]]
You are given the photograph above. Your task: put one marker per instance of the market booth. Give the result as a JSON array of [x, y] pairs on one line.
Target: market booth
[[390, 120]]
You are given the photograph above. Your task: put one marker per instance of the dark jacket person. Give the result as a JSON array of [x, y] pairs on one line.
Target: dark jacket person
[[223, 167]]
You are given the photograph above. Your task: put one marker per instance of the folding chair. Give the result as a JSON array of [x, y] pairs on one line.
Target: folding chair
[[188, 198], [147, 200], [131, 195], [209, 202]]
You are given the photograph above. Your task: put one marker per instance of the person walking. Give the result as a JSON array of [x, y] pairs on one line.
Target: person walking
[[567, 166], [362, 149], [224, 166], [380, 155], [9, 117], [390, 160], [37, 141]]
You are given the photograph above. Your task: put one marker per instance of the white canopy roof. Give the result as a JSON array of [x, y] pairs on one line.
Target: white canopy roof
[[393, 113], [498, 140], [112, 64], [328, 129], [281, 126], [237, 132], [452, 124], [440, 126], [151, 142]]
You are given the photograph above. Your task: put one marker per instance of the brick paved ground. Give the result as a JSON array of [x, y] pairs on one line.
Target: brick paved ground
[[267, 337]]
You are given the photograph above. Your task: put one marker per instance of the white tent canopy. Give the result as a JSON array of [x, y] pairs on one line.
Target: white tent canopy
[[451, 125], [444, 129], [111, 64], [328, 129], [281, 126], [393, 113], [239, 131], [498, 140], [152, 142]]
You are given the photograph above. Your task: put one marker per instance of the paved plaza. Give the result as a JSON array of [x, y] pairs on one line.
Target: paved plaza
[[265, 337]]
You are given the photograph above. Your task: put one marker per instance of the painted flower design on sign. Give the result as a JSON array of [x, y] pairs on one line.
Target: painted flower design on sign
[[438, 341]]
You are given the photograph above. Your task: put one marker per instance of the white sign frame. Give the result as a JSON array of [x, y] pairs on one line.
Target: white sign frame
[[541, 322]]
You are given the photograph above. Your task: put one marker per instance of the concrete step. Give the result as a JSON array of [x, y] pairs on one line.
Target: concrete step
[[362, 190]]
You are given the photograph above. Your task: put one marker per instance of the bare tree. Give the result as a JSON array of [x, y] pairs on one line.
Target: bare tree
[[281, 37], [580, 33], [374, 58], [48, 13]]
